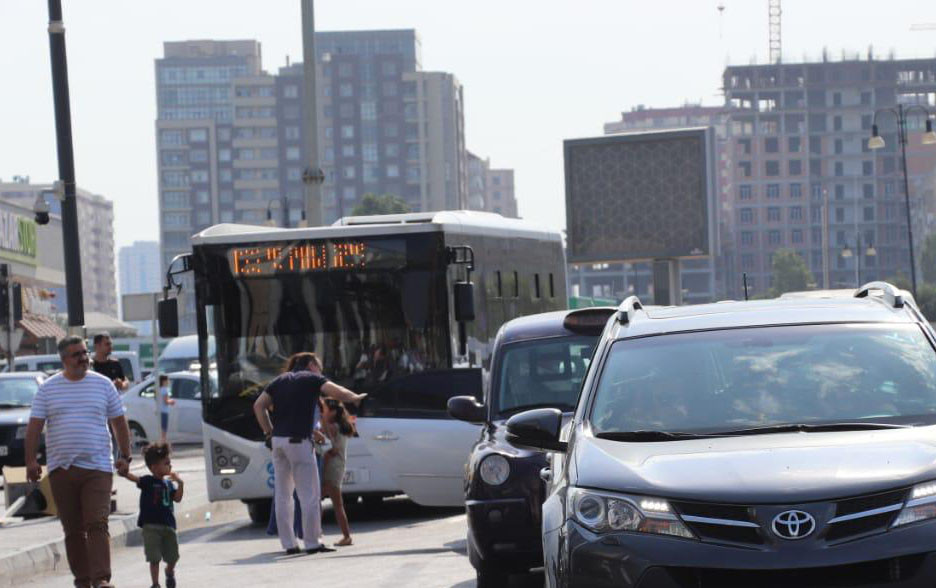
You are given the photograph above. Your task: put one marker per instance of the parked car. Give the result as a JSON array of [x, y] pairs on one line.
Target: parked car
[[17, 391], [788, 442], [537, 361], [185, 417], [51, 363]]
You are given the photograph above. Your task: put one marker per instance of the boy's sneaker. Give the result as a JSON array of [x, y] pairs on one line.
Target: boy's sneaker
[[170, 580], [320, 549], [293, 551]]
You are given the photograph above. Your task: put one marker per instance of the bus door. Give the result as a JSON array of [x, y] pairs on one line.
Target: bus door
[[422, 447]]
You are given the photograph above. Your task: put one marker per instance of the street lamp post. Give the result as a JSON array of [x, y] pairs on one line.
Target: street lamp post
[[877, 142], [847, 252]]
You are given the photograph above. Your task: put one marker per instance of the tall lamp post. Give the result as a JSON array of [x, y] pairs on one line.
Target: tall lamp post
[[869, 252], [877, 142]]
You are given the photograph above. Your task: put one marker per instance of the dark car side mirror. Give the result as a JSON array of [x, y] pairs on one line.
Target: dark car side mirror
[[466, 408], [537, 428]]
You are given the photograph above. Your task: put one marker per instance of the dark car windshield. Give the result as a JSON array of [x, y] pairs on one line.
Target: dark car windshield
[[543, 372], [17, 391], [726, 380]]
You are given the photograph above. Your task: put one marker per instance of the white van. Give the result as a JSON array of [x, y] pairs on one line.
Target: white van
[[181, 354], [51, 363]]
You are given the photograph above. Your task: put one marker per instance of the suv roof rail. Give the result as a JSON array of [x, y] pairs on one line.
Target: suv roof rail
[[627, 309], [892, 294]]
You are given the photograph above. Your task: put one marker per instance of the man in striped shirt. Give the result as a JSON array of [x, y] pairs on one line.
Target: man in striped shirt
[[77, 405]]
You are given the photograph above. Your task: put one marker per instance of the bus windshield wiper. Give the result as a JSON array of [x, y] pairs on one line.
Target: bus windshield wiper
[[817, 428], [516, 409], [650, 436]]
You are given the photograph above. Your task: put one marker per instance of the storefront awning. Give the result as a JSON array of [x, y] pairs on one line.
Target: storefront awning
[[42, 327]]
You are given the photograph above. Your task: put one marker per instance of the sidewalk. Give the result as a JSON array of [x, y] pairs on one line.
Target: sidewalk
[[37, 546]]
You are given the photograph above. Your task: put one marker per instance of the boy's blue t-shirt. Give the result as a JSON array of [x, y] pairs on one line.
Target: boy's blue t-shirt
[[156, 502]]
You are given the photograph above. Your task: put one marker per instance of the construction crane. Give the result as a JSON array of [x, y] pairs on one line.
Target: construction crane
[[773, 27]]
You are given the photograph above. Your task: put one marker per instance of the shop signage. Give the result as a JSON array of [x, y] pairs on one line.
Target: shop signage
[[18, 237]]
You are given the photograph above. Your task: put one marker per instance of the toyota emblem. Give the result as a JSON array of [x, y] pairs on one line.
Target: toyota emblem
[[794, 524]]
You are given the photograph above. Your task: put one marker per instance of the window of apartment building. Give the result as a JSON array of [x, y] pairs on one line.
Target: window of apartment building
[[329, 154], [198, 155], [346, 110], [867, 168], [388, 68], [747, 238], [345, 90], [371, 173], [839, 191], [246, 195], [772, 145], [773, 237], [175, 179], [815, 145], [347, 131], [868, 213], [747, 263], [744, 191], [203, 217], [867, 190], [347, 150], [291, 132], [293, 173], [345, 70], [176, 200], [412, 173], [796, 213], [369, 152], [815, 167], [389, 88], [225, 175], [745, 146], [745, 168], [224, 134], [839, 147], [890, 211], [292, 154], [291, 91], [796, 190], [836, 123], [175, 219], [889, 189], [348, 172], [770, 126], [393, 171], [816, 191], [866, 98], [836, 98], [773, 190], [866, 123], [368, 110], [839, 214], [391, 130], [224, 155], [369, 132], [197, 135], [226, 195], [840, 237], [202, 197], [773, 214], [817, 123], [772, 168], [169, 138], [796, 236], [795, 167], [173, 158], [839, 169], [794, 144], [412, 154], [348, 193], [816, 98], [392, 150]]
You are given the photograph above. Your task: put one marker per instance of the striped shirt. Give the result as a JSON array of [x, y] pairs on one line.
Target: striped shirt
[[76, 414]]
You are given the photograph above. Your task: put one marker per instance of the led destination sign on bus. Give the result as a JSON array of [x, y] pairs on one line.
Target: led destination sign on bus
[[314, 256]]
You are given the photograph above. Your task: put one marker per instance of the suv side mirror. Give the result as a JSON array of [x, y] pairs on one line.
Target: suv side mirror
[[466, 408], [168, 311], [537, 428]]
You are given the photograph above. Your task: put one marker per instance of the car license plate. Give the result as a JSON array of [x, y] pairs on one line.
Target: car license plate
[[4, 451]]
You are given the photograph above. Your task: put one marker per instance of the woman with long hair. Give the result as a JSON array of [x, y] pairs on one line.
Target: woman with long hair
[[338, 428]]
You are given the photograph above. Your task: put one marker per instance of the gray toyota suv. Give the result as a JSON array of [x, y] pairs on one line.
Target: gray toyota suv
[[774, 443]]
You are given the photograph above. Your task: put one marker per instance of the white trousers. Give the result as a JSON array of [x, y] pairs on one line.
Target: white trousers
[[294, 468]]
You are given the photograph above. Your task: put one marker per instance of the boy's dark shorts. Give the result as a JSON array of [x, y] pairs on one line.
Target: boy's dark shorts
[[160, 543]]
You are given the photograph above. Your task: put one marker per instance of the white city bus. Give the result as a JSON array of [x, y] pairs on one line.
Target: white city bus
[[377, 298]]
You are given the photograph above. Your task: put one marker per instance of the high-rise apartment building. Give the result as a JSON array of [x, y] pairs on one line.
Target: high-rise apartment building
[[231, 136], [138, 270], [491, 190], [95, 236], [803, 174]]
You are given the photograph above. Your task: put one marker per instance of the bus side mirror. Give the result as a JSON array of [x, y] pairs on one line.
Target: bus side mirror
[[168, 311], [464, 302]]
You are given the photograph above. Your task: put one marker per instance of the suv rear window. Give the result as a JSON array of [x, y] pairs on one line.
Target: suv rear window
[[734, 379]]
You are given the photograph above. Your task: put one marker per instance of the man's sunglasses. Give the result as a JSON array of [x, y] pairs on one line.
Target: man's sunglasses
[[78, 354]]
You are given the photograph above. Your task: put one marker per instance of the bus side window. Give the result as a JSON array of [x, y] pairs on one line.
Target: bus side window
[[500, 285], [536, 286], [516, 285], [426, 394], [552, 287]]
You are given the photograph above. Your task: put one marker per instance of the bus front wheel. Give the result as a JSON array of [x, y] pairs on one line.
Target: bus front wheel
[[259, 510]]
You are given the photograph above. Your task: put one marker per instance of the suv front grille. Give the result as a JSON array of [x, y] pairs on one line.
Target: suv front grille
[[720, 523], [865, 515]]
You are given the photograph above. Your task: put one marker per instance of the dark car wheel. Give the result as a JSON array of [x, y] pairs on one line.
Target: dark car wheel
[[492, 577], [259, 511], [137, 435]]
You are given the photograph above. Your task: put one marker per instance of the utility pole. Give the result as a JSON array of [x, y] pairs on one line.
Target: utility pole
[[66, 165], [312, 176]]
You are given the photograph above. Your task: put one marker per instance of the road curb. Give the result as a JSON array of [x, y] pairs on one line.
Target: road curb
[[48, 557]]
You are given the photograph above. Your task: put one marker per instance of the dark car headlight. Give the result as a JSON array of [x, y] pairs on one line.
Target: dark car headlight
[[920, 506], [494, 469], [605, 512]]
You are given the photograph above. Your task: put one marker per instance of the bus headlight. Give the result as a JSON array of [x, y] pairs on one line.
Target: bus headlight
[[226, 461], [494, 469]]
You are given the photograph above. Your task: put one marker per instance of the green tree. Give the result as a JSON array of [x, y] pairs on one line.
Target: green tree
[[926, 300], [928, 260], [372, 204], [790, 273]]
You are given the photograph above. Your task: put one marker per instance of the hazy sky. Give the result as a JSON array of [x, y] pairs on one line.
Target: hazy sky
[[535, 72]]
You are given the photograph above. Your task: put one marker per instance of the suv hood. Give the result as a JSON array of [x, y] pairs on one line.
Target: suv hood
[[784, 468]]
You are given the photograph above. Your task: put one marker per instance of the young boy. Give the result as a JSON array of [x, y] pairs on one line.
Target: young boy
[[165, 401], [156, 518]]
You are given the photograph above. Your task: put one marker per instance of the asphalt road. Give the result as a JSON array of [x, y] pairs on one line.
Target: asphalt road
[[399, 545]]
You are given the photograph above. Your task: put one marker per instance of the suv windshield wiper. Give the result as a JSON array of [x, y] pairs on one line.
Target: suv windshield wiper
[[516, 409], [650, 436], [806, 428]]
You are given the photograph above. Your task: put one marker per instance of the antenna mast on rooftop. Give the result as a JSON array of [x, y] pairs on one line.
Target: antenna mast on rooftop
[[773, 28]]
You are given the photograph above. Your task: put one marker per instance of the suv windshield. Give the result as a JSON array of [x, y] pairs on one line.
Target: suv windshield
[[17, 391], [735, 379], [544, 372]]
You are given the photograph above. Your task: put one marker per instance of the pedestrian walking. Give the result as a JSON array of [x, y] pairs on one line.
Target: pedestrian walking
[[338, 429], [75, 406], [104, 365], [292, 397], [165, 403], [160, 541]]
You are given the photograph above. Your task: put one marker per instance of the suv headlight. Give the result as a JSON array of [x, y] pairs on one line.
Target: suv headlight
[[494, 469], [920, 506], [604, 512], [20, 433]]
